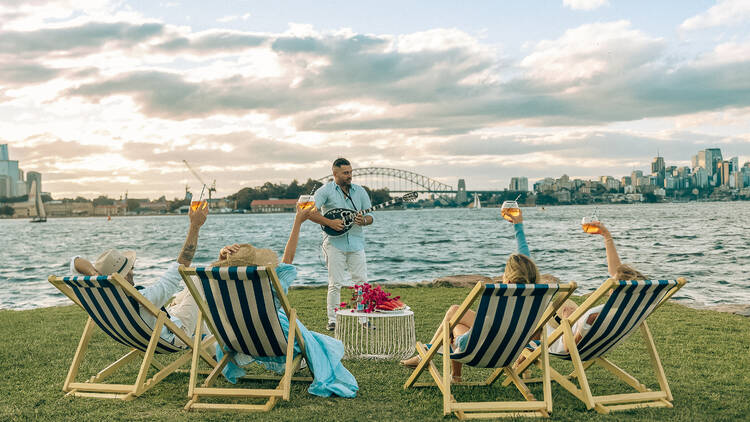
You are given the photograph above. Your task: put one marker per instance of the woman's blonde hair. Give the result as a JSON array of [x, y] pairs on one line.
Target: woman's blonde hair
[[520, 269], [626, 272], [249, 255]]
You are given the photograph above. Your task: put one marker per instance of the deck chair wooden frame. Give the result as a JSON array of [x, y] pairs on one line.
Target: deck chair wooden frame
[[477, 410], [93, 387], [282, 390], [643, 396]]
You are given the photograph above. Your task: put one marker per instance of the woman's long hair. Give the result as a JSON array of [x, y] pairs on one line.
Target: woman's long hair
[[520, 269]]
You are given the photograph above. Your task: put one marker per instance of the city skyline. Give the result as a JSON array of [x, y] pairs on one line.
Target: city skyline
[[103, 97]]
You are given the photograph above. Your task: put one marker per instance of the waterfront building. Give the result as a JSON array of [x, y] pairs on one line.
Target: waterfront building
[[273, 205], [713, 158], [671, 182], [636, 176], [626, 181], [658, 170], [700, 178], [563, 195], [519, 184], [734, 164], [11, 177], [544, 185]]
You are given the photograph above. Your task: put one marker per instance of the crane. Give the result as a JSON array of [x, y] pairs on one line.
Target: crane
[[211, 188]]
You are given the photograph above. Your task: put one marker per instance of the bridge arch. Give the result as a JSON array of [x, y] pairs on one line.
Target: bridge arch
[[396, 180]]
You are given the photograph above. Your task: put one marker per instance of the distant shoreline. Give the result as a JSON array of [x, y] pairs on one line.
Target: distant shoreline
[[392, 209]]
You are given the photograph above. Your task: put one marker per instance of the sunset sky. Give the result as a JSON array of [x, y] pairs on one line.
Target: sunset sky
[[107, 96]]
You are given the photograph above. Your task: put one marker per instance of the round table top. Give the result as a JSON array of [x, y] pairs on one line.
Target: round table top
[[377, 314]]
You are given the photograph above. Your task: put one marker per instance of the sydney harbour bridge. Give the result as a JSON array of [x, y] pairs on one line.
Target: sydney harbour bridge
[[403, 181]]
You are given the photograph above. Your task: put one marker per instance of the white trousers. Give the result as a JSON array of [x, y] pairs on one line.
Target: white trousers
[[184, 313], [339, 264]]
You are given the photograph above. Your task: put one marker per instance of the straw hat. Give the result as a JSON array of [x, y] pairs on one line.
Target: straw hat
[[113, 261], [248, 255]]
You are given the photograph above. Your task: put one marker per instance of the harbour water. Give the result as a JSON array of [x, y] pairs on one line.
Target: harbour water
[[707, 243]]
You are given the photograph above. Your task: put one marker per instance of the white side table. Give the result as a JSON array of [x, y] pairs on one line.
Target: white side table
[[376, 335]]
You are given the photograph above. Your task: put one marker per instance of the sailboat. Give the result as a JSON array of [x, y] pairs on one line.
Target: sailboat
[[41, 213], [477, 204]]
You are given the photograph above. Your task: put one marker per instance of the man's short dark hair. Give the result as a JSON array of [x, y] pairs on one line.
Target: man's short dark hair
[[341, 162]]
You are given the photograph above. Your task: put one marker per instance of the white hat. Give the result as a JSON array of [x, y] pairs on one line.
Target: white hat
[[114, 261]]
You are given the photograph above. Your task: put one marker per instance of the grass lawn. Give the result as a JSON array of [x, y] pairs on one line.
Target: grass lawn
[[706, 357]]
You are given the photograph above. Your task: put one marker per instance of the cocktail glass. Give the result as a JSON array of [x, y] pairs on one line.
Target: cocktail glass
[[306, 201], [588, 224], [510, 209]]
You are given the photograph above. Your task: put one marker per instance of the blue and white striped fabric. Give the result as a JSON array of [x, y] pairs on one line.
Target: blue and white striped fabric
[[241, 306], [506, 318], [630, 303], [115, 313]]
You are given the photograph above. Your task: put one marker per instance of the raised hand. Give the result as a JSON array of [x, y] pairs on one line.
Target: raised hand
[[198, 216], [228, 250]]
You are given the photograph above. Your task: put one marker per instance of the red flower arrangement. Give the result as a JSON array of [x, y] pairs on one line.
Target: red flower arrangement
[[372, 298]]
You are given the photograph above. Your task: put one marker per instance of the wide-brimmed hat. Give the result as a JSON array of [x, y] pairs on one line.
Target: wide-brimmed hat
[[113, 261], [249, 255]]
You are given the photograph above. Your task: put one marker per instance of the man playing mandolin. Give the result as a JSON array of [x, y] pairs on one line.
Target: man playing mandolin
[[345, 252]]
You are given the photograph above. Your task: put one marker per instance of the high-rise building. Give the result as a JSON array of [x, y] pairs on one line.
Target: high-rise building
[[658, 170], [700, 178], [519, 184], [734, 163], [713, 158], [11, 179]]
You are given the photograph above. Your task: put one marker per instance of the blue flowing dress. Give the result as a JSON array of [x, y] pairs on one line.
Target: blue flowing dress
[[324, 353]]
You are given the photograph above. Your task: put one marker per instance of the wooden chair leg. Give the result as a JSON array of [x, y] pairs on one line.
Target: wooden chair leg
[[446, 370], [83, 344], [577, 364], [149, 355], [656, 361]]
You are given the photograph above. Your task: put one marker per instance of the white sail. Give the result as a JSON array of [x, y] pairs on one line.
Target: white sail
[[477, 203], [35, 197]]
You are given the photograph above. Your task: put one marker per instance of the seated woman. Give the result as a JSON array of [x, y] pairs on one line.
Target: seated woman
[[324, 353], [617, 270], [520, 268]]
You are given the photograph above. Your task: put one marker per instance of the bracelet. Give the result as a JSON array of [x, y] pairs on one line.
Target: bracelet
[[609, 239]]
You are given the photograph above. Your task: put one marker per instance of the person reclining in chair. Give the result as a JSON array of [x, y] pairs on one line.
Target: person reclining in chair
[[520, 268], [183, 311], [323, 353], [582, 326]]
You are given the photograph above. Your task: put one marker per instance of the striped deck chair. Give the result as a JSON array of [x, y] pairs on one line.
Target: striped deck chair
[[626, 310], [507, 317], [238, 308], [112, 305]]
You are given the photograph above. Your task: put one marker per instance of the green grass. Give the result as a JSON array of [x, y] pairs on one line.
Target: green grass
[[706, 356]]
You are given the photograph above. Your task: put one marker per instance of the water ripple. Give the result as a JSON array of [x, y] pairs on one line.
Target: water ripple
[[703, 242]]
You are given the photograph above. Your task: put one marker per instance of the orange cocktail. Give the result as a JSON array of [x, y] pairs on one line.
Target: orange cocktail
[[589, 226], [510, 209], [194, 205], [306, 201]]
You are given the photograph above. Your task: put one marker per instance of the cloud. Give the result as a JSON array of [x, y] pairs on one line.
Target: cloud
[[724, 13], [211, 42], [80, 40], [25, 73], [232, 18], [585, 4], [108, 105]]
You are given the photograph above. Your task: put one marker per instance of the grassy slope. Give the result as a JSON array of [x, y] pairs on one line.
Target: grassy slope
[[705, 355]]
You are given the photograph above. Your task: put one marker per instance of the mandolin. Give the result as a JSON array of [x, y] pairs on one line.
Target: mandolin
[[347, 215]]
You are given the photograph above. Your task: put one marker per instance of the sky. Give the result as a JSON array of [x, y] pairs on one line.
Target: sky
[[103, 96]]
